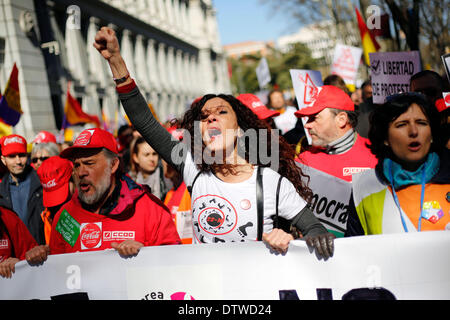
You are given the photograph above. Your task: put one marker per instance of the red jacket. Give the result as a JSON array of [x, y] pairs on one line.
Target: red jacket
[[138, 216], [16, 240], [358, 158]]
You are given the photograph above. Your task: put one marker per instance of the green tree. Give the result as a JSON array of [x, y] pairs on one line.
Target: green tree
[[243, 79]]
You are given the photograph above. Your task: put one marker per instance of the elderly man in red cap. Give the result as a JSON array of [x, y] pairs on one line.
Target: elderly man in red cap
[[20, 189], [108, 209], [336, 152]]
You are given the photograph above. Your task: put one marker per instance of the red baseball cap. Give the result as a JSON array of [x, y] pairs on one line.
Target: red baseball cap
[[90, 139], [253, 103], [328, 97], [13, 144], [54, 174], [44, 137]]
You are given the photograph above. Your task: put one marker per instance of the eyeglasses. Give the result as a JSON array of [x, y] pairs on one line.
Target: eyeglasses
[[34, 160]]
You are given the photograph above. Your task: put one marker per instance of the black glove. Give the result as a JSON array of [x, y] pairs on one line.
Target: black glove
[[322, 243]]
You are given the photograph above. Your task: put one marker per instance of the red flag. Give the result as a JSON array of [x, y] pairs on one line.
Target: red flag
[[75, 115], [10, 109], [369, 43]]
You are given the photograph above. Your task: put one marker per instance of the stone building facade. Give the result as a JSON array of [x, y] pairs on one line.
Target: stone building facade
[[172, 49]]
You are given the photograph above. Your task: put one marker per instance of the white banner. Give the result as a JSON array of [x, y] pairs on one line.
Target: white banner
[[346, 60], [391, 72], [407, 266]]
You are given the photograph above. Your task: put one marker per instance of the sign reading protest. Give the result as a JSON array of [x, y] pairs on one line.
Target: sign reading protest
[[391, 72], [395, 266], [346, 60], [306, 85], [263, 73]]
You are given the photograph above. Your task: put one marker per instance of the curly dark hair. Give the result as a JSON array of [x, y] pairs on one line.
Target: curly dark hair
[[246, 120], [383, 115]]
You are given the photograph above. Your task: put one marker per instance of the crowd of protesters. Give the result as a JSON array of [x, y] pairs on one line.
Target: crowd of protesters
[[160, 184]]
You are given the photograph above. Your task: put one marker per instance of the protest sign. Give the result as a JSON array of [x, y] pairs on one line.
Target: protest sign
[[391, 72], [446, 61], [330, 199], [399, 264], [346, 60], [263, 73], [306, 85]]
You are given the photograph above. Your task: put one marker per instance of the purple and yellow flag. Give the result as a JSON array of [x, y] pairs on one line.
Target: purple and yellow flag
[[10, 109]]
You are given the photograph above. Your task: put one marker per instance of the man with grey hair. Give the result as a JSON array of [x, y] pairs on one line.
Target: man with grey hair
[[41, 152], [108, 209]]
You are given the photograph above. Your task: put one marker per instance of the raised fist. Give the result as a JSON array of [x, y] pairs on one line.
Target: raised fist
[[106, 43]]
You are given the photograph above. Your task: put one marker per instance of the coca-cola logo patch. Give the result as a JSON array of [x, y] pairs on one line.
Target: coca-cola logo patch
[[90, 235], [84, 138]]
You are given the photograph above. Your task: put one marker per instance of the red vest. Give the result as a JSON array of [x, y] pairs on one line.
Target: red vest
[[17, 240], [358, 158], [138, 216]]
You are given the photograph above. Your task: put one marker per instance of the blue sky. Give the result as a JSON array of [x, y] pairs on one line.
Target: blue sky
[[250, 20]]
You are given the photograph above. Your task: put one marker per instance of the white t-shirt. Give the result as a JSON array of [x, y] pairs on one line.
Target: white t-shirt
[[227, 212], [287, 120]]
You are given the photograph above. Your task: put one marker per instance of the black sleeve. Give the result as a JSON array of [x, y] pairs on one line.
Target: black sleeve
[[307, 223], [156, 135], [354, 227]]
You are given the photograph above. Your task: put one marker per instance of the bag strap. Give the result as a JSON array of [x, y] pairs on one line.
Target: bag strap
[[189, 188], [260, 202], [276, 220]]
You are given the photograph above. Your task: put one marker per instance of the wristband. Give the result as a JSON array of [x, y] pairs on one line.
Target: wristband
[[121, 80]]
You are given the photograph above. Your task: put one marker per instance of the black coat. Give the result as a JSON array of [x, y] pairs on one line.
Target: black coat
[[35, 204]]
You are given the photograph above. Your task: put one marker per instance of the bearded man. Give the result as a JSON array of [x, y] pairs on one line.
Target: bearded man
[[108, 209]]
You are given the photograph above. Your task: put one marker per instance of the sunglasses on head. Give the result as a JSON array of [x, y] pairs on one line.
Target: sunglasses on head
[[34, 160]]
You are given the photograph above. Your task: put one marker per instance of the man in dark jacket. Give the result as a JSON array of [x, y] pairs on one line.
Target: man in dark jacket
[[20, 189]]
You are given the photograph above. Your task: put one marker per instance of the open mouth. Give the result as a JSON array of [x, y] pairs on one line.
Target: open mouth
[[213, 133], [414, 146], [84, 187]]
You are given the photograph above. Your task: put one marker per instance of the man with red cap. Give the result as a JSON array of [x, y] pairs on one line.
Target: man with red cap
[[108, 209], [336, 152], [20, 189]]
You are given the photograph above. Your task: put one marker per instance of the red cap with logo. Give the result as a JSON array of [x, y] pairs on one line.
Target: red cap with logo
[[44, 137], [327, 97], [90, 139], [253, 103], [13, 144], [54, 174]]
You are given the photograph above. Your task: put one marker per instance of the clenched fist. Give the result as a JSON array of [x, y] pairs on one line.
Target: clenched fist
[[106, 43]]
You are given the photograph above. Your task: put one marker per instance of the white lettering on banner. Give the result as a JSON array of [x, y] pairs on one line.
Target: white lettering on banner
[[227, 271], [391, 72]]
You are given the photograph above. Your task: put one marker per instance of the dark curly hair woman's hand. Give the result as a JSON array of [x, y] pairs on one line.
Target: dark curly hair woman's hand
[[323, 244]]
